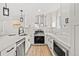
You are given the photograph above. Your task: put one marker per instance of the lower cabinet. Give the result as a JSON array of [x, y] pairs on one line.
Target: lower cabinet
[[9, 51], [20, 47], [17, 48], [50, 44]]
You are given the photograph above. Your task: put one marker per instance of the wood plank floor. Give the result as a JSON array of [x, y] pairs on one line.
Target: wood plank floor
[[39, 50]]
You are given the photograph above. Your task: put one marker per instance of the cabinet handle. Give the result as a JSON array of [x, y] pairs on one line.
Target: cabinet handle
[[10, 49], [50, 41], [28, 39]]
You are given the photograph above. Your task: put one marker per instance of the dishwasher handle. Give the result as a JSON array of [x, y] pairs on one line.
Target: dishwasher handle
[[10, 49]]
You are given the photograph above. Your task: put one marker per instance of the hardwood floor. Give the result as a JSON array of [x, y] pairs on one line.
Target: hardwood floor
[[39, 50]]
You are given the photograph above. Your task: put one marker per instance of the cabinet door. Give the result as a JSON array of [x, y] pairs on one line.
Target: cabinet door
[[76, 13], [27, 44], [1, 27], [76, 47], [76, 9], [10, 51], [51, 45]]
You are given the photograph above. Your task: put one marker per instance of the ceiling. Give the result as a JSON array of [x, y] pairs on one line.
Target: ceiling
[[32, 8]]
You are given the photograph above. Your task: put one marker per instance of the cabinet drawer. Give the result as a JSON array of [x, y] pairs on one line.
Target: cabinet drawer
[[11, 50]]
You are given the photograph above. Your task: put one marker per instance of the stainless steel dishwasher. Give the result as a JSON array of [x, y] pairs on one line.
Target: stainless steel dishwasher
[[20, 49]]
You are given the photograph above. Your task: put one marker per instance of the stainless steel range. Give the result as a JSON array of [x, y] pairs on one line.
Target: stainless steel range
[[39, 37]]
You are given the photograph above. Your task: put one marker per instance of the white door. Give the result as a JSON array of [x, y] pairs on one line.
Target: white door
[[76, 47]]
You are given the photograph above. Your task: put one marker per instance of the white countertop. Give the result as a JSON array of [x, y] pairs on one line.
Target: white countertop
[[6, 41], [55, 37]]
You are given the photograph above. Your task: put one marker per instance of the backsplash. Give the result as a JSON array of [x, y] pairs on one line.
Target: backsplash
[[6, 27]]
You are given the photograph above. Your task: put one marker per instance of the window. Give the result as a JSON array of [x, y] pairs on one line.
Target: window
[[54, 21], [58, 22], [40, 20]]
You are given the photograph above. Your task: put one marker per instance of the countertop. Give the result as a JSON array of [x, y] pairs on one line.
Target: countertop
[[58, 39], [6, 41]]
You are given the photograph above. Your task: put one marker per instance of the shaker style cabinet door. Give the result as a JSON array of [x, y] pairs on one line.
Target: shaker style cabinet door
[[76, 9], [76, 47], [9, 51]]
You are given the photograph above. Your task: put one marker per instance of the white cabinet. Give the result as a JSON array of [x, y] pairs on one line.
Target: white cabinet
[[75, 32], [50, 44], [48, 19], [49, 41], [76, 9], [76, 14], [27, 44], [40, 20], [76, 47], [9, 51], [75, 22], [1, 27]]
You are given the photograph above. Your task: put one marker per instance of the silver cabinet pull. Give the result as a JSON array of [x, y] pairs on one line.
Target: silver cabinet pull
[[10, 49]]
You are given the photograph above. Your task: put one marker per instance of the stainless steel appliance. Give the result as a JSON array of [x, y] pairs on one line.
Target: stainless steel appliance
[[39, 37], [20, 49], [59, 50]]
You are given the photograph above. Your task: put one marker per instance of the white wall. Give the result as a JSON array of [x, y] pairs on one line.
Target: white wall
[[30, 11], [7, 20]]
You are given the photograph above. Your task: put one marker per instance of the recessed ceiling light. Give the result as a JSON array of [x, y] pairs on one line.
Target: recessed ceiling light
[[39, 10]]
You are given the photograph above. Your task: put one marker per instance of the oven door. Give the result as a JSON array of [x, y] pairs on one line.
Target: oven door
[[59, 50], [39, 39]]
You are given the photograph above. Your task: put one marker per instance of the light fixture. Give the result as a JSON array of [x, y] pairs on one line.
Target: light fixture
[[39, 10], [21, 18], [5, 10], [16, 23], [66, 20]]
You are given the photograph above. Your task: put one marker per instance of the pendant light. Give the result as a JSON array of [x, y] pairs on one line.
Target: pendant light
[[5, 10], [21, 18]]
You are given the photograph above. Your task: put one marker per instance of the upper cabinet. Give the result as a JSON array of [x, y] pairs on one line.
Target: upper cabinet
[[1, 27], [48, 19], [53, 20], [75, 17], [40, 20], [76, 9]]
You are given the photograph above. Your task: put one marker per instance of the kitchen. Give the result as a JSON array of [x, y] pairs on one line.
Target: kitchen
[[50, 25]]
